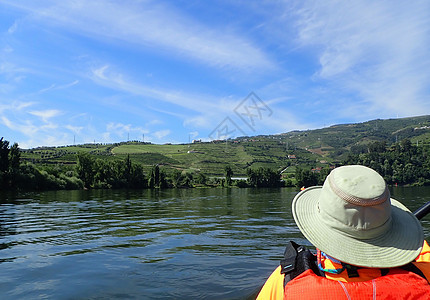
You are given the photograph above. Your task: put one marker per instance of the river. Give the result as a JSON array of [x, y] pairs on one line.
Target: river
[[149, 244]]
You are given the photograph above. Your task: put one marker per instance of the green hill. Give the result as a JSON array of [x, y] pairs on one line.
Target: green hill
[[335, 140], [314, 148]]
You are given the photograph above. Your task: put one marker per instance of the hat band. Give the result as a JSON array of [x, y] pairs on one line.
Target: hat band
[[357, 200]]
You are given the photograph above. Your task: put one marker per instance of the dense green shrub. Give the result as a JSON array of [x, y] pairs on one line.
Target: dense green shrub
[[402, 163]]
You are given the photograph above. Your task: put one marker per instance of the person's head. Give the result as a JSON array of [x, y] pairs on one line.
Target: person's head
[[352, 218]]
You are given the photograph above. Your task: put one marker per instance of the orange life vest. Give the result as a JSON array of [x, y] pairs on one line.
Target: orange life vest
[[397, 284]]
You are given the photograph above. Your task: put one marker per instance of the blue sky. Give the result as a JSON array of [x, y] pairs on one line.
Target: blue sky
[[171, 71]]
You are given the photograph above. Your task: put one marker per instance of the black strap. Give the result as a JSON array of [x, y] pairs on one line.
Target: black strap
[[384, 271], [288, 264], [297, 259], [352, 271]]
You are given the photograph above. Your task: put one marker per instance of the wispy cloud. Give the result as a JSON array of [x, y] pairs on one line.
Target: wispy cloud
[[14, 106], [34, 127], [45, 115], [27, 127], [105, 69], [120, 128], [115, 131], [152, 24], [13, 28], [377, 51], [74, 129], [193, 134], [119, 131], [196, 103], [160, 134], [203, 112], [54, 86]]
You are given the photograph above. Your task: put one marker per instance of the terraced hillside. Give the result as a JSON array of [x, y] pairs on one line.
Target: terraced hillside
[[209, 158], [336, 140], [313, 148]]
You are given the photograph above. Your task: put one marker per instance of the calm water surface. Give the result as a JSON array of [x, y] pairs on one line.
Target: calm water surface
[[170, 244]]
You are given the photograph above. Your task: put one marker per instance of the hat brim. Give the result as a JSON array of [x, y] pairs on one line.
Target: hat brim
[[399, 246]]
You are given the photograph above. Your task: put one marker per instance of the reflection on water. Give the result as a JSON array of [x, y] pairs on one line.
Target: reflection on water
[[200, 243], [414, 198]]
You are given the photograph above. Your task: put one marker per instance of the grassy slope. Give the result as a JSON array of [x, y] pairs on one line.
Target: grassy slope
[[338, 138], [312, 148], [210, 158]]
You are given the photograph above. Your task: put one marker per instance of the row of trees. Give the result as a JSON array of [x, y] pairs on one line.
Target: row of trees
[[261, 177], [99, 173], [15, 175], [91, 172], [9, 162], [402, 163], [264, 177], [308, 177]]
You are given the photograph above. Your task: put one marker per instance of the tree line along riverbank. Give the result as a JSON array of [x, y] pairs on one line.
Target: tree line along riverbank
[[92, 172], [401, 163]]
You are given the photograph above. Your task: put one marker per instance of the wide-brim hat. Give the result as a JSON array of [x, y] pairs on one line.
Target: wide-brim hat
[[353, 219]]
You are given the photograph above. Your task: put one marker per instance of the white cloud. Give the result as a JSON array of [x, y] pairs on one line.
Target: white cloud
[[154, 122], [11, 70], [193, 134], [203, 112], [151, 25], [74, 129], [100, 72], [118, 127], [51, 87], [21, 122], [27, 127], [58, 87], [205, 104], [160, 134], [45, 115], [14, 106], [59, 139], [121, 130], [377, 51], [13, 28]]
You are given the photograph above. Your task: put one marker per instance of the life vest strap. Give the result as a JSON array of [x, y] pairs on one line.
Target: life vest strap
[[297, 259], [352, 271]]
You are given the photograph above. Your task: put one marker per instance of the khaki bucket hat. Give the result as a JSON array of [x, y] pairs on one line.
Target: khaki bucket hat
[[353, 219]]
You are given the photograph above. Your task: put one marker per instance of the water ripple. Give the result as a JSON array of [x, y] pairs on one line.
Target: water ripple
[[201, 244]]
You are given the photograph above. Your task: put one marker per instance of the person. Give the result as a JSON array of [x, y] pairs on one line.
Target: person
[[368, 245]]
